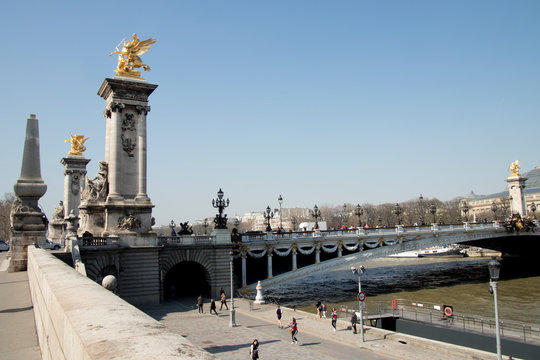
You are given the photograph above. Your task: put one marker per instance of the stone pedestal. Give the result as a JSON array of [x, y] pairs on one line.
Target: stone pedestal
[[223, 236], [119, 203], [516, 185], [57, 231], [74, 182]]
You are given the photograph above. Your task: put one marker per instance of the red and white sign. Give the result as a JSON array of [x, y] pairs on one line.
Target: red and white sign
[[361, 296]]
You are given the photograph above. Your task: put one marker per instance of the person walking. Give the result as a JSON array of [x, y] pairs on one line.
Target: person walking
[[278, 314], [213, 306], [294, 330], [334, 318], [324, 310], [354, 319], [223, 301], [318, 306], [200, 303], [254, 351]]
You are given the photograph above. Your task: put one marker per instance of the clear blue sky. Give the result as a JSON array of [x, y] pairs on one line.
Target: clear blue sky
[[324, 102]]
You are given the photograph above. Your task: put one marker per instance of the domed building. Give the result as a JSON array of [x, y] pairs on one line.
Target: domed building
[[497, 206]]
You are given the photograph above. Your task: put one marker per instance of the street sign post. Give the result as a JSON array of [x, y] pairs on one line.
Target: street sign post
[[361, 296]]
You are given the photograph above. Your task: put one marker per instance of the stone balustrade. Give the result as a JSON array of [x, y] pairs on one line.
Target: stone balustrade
[[78, 319]]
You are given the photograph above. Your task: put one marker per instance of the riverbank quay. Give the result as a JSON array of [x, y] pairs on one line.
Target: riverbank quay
[[316, 338]]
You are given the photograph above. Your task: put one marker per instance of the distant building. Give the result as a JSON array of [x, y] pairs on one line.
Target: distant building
[[480, 205]]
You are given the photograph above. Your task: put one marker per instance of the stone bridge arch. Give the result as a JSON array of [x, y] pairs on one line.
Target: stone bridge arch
[[187, 272], [99, 265]]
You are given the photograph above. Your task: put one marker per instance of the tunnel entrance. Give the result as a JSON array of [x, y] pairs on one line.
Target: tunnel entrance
[[186, 279]]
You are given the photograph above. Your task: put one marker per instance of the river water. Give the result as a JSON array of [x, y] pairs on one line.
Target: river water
[[460, 282]]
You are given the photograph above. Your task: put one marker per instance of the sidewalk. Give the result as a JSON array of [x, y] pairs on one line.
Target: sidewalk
[[18, 340], [316, 338]]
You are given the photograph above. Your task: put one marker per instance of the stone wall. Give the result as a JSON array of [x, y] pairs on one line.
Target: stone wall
[[78, 319]]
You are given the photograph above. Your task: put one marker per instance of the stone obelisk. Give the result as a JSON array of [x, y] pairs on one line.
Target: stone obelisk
[[28, 222]]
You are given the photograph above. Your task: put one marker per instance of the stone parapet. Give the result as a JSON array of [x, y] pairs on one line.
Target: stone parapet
[[78, 319]]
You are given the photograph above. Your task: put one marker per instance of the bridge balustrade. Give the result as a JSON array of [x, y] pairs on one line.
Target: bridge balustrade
[[99, 241], [186, 240]]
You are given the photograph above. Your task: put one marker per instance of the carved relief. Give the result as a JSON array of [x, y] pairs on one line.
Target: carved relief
[[75, 184], [142, 109], [128, 145], [117, 107], [128, 124], [129, 222]]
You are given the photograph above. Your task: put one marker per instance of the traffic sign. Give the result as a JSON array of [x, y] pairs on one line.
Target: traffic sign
[[361, 296]]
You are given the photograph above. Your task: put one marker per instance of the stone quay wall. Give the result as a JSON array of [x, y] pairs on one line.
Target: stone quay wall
[[78, 319]]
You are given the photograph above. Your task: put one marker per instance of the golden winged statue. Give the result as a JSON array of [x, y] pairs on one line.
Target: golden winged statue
[[128, 57], [77, 147], [514, 168]]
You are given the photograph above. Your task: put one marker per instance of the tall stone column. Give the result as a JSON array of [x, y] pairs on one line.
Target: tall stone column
[[269, 263], [74, 180], [516, 185], [28, 222], [294, 263], [244, 269]]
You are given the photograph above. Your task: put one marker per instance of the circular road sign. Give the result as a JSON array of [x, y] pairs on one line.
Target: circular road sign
[[361, 296]]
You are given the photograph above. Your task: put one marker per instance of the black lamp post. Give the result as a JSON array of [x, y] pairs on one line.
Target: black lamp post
[[494, 269], [280, 200], [533, 209], [205, 224], [422, 211], [267, 216], [398, 211], [343, 219], [494, 208], [433, 211], [232, 321], [359, 212], [220, 204], [465, 209], [172, 225], [316, 213]]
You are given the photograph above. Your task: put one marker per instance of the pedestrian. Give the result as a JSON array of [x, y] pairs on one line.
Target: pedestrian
[[324, 311], [354, 319], [334, 318], [294, 330], [200, 302], [254, 351], [319, 311], [213, 306], [318, 305], [278, 314], [223, 301]]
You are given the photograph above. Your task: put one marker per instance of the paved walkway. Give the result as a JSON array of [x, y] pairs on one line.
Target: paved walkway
[[317, 339], [18, 340]]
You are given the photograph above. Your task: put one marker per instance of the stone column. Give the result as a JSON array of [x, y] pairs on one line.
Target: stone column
[[269, 257], [244, 269], [74, 181], [340, 250], [142, 111], [318, 255], [516, 185], [294, 265], [28, 222]]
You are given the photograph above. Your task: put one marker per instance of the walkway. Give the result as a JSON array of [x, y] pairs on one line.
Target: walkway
[[18, 340], [316, 338]]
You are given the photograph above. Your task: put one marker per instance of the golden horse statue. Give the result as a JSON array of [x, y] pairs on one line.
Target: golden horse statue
[[514, 168], [77, 147], [128, 57]]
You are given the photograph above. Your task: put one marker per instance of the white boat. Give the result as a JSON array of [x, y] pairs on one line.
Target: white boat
[[406, 254], [453, 251]]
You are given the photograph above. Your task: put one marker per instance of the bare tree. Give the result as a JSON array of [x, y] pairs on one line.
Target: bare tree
[[5, 209]]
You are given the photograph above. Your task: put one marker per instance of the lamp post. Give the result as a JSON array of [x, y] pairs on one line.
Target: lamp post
[[172, 225], [533, 209], [316, 213], [359, 212], [433, 211], [220, 204], [359, 271], [398, 211], [294, 221], [465, 209], [343, 222], [280, 200], [494, 269], [422, 211], [494, 208], [267, 216], [232, 322]]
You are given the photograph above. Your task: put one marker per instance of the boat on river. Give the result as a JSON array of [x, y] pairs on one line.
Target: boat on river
[[436, 251]]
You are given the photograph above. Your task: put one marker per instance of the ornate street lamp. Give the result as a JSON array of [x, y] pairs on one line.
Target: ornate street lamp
[[398, 211], [172, 225], [343, 222], [220, 220], [533, 209], [316, 213], [494, 208], [267, 216], [422, 211], [433, 211], [359, 212], [465, 209], [494, 269], [361, 297], [280, 200], [232, 322]]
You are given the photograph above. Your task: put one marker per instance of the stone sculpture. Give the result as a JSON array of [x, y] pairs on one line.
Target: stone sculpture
[[98, 187], [77, 147], [128, 57]]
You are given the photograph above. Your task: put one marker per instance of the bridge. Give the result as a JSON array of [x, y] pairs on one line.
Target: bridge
[[273, 258]]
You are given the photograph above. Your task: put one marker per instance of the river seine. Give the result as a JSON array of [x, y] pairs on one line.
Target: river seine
[[460, 282]]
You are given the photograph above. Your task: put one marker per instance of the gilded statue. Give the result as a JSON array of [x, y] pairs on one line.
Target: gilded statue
[[514, 168], [77, 147], [128, 57]]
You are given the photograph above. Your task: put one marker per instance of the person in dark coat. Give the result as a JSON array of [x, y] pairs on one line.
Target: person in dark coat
[[354, 319], [200, 303]]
